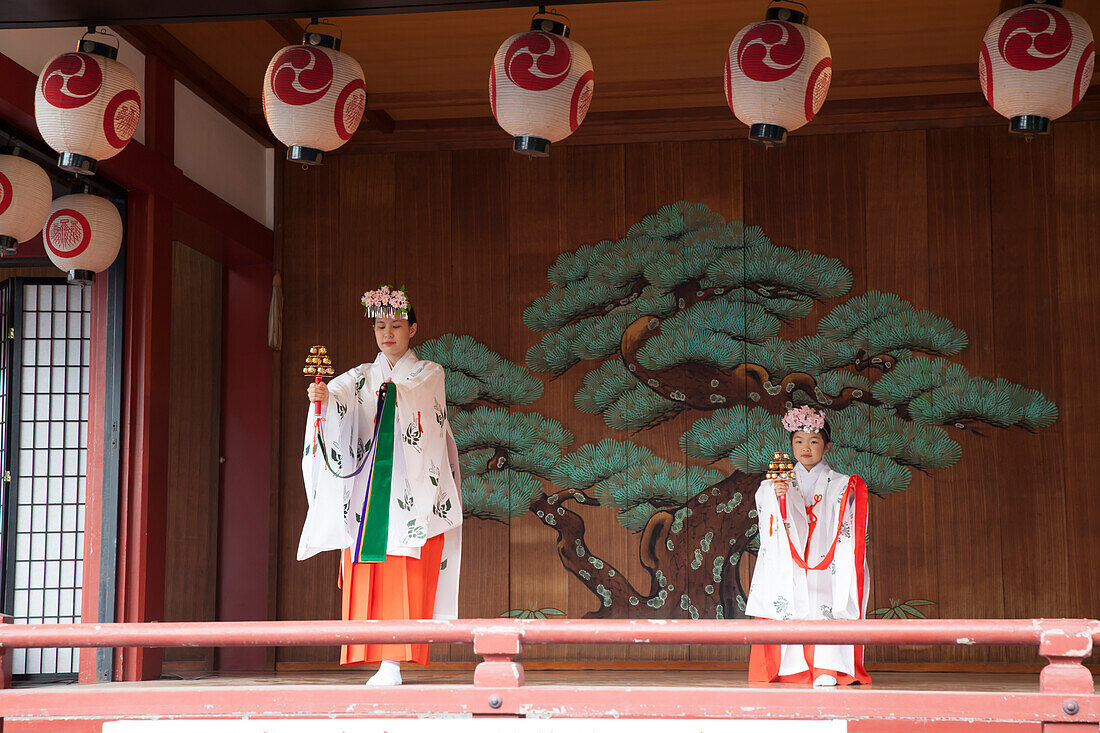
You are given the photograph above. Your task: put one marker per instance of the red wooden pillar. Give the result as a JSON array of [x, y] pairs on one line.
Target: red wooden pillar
[[147, 365], [144, 484], [245, 557]]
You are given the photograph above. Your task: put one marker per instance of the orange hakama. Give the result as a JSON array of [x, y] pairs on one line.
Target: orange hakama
[[401, 588]]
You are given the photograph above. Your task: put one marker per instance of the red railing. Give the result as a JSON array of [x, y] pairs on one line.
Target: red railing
[[1065, 691]]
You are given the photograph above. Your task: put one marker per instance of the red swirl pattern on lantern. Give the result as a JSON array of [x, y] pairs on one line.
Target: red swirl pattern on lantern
[[1035, 38], [121, 117], [777, 73], [538, 61], [541, 85], [67, 233], [349, 108], [1036, 61], [771, 51], [314, 97], [582, 98], [5, 193], [985, 74], [71, 80], [25, 194], [87, 105], [818, 86], [302, 75], [1083, 75]]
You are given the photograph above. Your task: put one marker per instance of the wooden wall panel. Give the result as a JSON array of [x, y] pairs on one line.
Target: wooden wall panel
[[945, 219], [306, 589], [193, 448], [961, 290], [1026, 343], [1076, 190], [903, 526]]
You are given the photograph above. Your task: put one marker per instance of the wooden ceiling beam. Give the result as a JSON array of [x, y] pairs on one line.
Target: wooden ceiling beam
[[288, 28], [691, 86], [200, 78], [712, 123]]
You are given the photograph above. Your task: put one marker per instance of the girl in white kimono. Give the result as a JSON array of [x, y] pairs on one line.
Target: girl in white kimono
[[811, 563], [383, 485]]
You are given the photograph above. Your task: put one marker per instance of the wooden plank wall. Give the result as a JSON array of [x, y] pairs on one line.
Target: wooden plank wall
[[987, 230], [191, 562]]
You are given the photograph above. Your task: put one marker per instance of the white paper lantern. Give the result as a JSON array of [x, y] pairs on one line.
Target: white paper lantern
[[314, 97], [25, 194], [1035, 64], [777, 75], [540, 86], [87, 105], [82, 235]]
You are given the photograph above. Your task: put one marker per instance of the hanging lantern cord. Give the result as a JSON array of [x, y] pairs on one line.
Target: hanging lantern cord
[[543, 11]]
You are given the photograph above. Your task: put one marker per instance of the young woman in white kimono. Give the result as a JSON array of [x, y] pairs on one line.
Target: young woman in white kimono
[[811, 563], [383, 485]]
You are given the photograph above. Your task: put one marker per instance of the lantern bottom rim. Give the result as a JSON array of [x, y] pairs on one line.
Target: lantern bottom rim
[[535, 147], [770, 136], [77, 163], [1029, 125], [81, 277], [305, 155], [8, 245]]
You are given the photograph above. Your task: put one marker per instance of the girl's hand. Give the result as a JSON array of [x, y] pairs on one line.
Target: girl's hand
[[317, 392], [780, 486]]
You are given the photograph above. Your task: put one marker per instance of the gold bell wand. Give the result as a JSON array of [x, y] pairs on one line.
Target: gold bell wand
[[319, 367], [781, 467]]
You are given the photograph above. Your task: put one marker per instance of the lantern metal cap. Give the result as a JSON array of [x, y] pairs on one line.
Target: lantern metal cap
[[534, 147], [324, 40], [305, 156], [8, 245], [1029, 125], [77, 163], [1055, 3], [81, 277], [770, 136], [787, 15], [96, 48], [549, 25]]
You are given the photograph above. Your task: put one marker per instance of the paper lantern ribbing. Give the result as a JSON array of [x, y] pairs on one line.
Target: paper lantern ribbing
[[82, 235], [314, 97], [1035, 64], [25, 194], [540, 86], [777, 75], [87, 105]]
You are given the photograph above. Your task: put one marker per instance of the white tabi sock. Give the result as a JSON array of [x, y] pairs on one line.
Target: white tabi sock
[[825, 680], [388, 675]]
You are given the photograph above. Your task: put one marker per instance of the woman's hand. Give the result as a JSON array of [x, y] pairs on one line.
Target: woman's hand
[[780, 486], [317, 392]]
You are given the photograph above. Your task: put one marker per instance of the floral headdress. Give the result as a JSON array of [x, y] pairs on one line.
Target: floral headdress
[[386, 303], [804, 418]]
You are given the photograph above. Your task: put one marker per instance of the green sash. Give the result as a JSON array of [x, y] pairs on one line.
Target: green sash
[[370, 546]]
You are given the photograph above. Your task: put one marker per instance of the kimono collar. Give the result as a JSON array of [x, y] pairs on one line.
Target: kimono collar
[[808, 479], [401, 368]]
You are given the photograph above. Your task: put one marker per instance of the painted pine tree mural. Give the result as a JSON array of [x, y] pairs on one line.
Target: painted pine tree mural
[[683, 316]]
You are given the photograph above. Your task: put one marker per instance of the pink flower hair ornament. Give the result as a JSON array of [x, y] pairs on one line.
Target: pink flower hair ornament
[[804, 418], [386, 303]]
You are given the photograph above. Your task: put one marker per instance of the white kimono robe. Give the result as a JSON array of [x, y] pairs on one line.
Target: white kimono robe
[[425, 498], [781, 589]]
